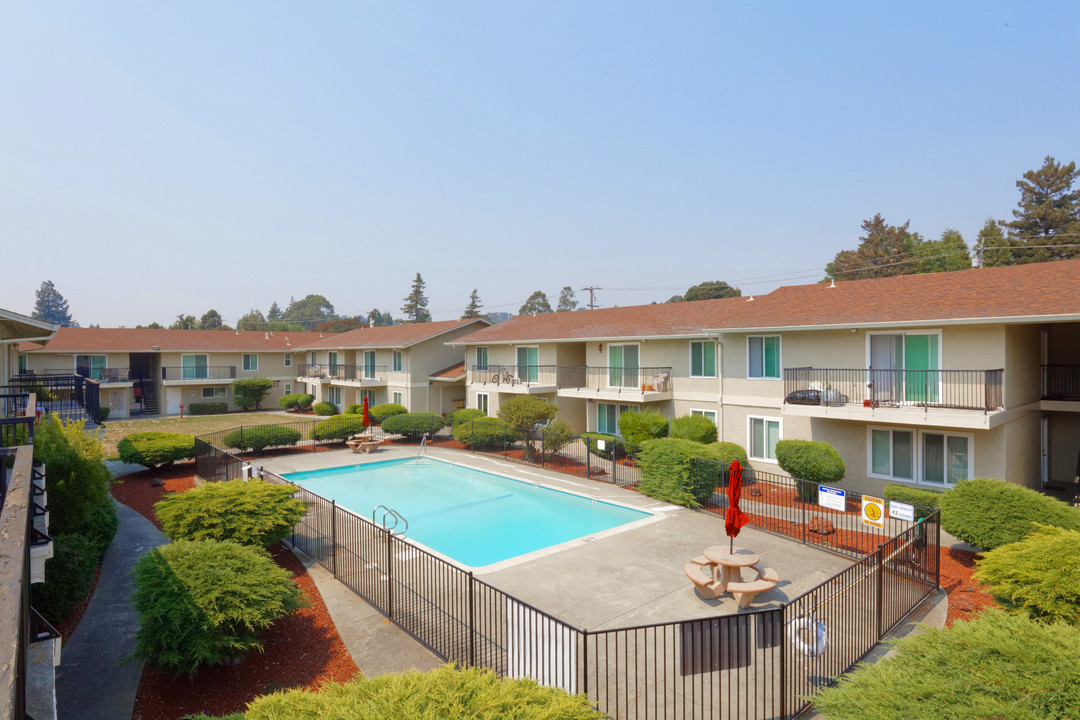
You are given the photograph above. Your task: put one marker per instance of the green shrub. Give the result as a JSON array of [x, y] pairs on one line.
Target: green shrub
[[446, 693], [1038, 576], [325, 408], [990, 513], [250, 393], [77, 477], [672, 470], [994, 666], [815, 463], [248, 512], [613, 445], [726, 452], [304, 401], [102, 524], [260, 437], [918, 497], [694, 427], [414, 425], [296, 401], [102, 414], [156, 449], [208, 408], [356, 410], [204, 603], [386, 410], [465, 414], [484, 432], [640, 427], [68, 575], [339, 427], [556, 436]]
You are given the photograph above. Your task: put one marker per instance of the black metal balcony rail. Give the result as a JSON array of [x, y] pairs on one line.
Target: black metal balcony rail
[[207, 372], [69, 396], [340, 371], [642, 379], [1061, 382], [952, 389], [16, 422], [513, 375]]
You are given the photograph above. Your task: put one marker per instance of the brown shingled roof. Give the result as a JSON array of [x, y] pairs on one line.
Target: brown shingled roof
[[100, 340], [450, 374], [390, 336]]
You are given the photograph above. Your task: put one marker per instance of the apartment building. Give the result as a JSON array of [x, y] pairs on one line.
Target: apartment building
[[411, 365], [919, 379]]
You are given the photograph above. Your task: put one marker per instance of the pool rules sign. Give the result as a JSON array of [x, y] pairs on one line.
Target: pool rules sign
[[873, 511]]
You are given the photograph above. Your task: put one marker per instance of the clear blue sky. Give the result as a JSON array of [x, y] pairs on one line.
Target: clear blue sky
[[158, 158]]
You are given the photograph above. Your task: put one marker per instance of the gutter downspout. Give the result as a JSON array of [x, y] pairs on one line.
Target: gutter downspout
[[720, 397]]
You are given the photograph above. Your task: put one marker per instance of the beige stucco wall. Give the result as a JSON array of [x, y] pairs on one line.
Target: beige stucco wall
[[1064, 446], [1023, 378], [1023, 455]]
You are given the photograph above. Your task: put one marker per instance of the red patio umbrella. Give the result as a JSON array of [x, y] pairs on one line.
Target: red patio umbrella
[[734, 518], [367, 418]]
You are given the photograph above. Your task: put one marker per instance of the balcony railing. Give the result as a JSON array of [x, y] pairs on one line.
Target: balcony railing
[[209, 372], [70, 396], [513, 375], [339, 371], [1061, 382], [647, 379], [953, 389]]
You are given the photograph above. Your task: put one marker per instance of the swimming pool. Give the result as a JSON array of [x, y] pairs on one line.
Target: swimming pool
[[474, 517]]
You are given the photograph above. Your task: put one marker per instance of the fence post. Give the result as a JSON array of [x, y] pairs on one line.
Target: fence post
[[472, 622], [588, 458], [802, 501], [880, 554], [333, 538], [585, 662], [783, 664], [504, 440], [541, 449], [389, 577], [472, 443]]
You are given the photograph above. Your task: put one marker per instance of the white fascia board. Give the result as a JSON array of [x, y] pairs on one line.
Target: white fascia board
[[1016, 319]]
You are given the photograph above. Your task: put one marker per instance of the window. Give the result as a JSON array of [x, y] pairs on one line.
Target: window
[[904, 367], [946, 458], [710, 414], [335, 396], [369, 394], [396, 363], [481, 358], [892, 454], [528, 364], [194, 367], [220, 391], [288, 359], [608, 414], [23, 367], [369, 364], [942, 459], [314, 358], [251, 361], [764, 434], [703, 359], [90, 366], [623, 369], [482, 402], [763, 357], [331, 360], [398, 397], [288, 389]]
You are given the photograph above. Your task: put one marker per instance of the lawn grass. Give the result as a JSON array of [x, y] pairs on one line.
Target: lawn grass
[[115, 430]]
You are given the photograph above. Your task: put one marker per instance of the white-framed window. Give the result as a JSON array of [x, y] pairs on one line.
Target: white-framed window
[[251, 361], [930, 457], [481, 358], [216, 392], [528, 363], [396, 361], [335, 395], [904, 367], [763, 434], [482, 402], [369, 364], [369, 394], [891, 453], [710, 414], [288, 359], [763, 357], [398, 398], [945, 457], [624, 368], [288, 389], [194, 367], [608, 414], [703, 359]]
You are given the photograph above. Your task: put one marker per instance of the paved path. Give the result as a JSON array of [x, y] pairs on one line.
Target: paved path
[[96, 679]]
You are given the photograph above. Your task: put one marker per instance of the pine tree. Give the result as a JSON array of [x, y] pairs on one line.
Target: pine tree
[[472, 310], [211, 320], [416, 303], [275, 313], [185, 322], [881, 253], [537, 304], [51, 306], [1048, 214], [567, 300], [252, 320], [944, 255], [992, 248]]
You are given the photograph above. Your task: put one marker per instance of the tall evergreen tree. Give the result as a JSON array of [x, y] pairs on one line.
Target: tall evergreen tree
[[415, 308], [944, 255], [51, 306], [567, 300], [252, 320], [1047, 214], [537, 304], [185, 322], [211, 320], [275, 313], [883, 251], [472, 310], [711, 290], [992, 248]]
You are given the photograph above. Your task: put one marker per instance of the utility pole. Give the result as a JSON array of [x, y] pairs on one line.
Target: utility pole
[[591, 289]]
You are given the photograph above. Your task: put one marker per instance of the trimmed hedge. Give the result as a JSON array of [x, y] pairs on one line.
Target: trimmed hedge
[[324, 408], [990, 513], [671, 471], [613, 444], [296, 401], [205, 602], [156, 449], [386, 410], [338, 427], [726, 452], [103, 414], [68, 575], [1038, 577], [694, 427], [640, 427], [260, 437], [918, 497], [465, 414], [250, 393], [447, 693], [413, 425], [816, 463], [208, 408], [484, 432], [248, 512], [101, 525]]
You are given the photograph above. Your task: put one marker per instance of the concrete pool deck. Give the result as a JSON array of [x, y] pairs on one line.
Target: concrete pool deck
[[620, 577]]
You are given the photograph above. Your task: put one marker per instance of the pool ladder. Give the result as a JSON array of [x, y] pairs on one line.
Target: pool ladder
[[423, 446], [390, 520]]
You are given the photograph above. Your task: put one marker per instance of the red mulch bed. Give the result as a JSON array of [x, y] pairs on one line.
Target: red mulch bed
[[301, 650]]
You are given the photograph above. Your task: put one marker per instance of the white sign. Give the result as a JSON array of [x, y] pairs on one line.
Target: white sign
[[901, 511], [873, 511], [833, 498], [601, 444]]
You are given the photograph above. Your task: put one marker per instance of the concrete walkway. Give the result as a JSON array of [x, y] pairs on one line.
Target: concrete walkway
[[97, 679]]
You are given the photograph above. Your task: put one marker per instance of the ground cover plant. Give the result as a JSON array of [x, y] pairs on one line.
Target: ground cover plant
[[990, 513], [247, 512], [694, 427], [817, 463], [204, 603], [156, 449], [260, 437], [446, 693], [338, 427], [413, 425], [250, 393]]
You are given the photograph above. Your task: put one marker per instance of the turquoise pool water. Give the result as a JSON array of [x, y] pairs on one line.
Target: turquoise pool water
[[475, 517]]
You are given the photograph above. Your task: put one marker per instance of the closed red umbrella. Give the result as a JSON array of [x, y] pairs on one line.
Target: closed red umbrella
[[734, 518], [367, 418]]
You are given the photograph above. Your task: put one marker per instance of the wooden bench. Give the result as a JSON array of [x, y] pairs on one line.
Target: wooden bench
[[705, 585], [745, 592]]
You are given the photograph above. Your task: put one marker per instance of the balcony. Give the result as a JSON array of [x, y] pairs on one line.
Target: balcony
[[1061, 383], [369, 375], [625, 384], [519, 379], [926, 397], [207, 374]]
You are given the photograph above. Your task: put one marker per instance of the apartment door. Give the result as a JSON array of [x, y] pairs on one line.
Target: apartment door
[[904, 368], [623, 368], [921, 376]]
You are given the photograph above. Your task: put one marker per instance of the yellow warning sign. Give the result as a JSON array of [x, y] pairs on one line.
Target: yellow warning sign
[[873, 511]]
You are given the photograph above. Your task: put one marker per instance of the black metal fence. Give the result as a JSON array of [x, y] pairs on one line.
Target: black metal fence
[[758, 664], [69, 396], [955, 389]]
